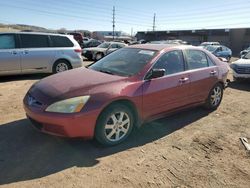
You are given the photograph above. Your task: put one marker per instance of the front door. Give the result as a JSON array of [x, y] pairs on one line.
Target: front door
[[169, 92]]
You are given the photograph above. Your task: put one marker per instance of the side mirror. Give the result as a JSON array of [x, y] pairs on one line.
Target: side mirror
[[156, 73]]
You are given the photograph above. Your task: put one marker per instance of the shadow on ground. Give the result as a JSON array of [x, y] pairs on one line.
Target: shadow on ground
[[26, 154], [243, 85], [22, 77]]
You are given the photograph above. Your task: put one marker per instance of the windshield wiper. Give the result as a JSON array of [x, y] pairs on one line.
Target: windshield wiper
[[106, 71]]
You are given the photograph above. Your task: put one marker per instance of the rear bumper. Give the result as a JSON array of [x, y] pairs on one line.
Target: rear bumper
[[65, 125], [77, 63]]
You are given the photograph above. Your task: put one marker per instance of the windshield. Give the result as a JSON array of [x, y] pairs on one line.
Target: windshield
[[211, 48], [124, 62], [104, 45], [247, 56]]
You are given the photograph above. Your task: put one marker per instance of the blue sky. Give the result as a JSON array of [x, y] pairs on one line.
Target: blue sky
[[96, 15]]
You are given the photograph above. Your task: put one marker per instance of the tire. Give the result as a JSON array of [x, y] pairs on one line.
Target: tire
[[110, 129], [98, 56], [61, 66], [215, 97]]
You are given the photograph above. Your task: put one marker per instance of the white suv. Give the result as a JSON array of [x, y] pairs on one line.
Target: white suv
[[28, 52], [241, 67]]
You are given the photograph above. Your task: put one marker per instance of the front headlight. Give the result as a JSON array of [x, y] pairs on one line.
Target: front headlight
[[233, 66], [72, 105]]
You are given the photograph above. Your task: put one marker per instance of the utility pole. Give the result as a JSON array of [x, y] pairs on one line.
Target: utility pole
[[113, 22], [154, 23], [132, 32]]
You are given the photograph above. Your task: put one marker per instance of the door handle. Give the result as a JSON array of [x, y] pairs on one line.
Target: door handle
[[14, 52], [25, 52], [183, 80], [212, 73]]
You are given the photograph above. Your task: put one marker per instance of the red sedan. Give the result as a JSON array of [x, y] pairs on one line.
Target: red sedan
[[124, 89]]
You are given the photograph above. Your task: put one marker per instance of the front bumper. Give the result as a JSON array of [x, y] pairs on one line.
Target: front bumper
[[237, 75], [66, 125]]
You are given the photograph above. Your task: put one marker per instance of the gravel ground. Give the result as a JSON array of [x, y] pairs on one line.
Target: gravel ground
[[194, 148]]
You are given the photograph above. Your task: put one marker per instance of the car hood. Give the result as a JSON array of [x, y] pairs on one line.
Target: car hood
[[95, 49], [73, 83], [242, 62]]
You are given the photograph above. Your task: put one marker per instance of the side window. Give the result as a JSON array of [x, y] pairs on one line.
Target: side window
[[172, 62], [34, 41], [60, 41], [210, 62], [196, 59], [114, 46], [120, 45], [7, 41]]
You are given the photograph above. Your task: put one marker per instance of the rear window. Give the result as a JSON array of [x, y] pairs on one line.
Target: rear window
[[34, 41], [60, 41]]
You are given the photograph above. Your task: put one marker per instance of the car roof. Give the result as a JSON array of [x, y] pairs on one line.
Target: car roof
[[159, 47], [33, 33]]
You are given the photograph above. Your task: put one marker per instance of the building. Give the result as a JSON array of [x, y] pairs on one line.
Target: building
[[236, 39], [100, 35]]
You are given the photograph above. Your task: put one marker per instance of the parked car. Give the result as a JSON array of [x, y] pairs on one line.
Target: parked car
[[241, 67], [78, 37], [220, 51], [204, 44], [244, 52], [91, 43], [128, 87], [85, 39], [24, 53], [181, 42], [100, 51]]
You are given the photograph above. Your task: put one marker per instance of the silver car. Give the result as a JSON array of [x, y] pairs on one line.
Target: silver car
[[25, 53], [96, 53]]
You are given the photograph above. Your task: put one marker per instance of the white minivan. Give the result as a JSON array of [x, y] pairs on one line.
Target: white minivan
[[29, 52]]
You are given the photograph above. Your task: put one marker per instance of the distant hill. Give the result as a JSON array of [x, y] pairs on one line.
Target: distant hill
[[24, 27]]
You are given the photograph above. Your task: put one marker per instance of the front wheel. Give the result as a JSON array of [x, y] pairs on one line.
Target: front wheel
[[214, 97], [98, 56], [114, 125]]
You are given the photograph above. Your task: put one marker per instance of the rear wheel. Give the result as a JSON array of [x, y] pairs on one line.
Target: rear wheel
[[61, 66], [114, 125], [214, 97]]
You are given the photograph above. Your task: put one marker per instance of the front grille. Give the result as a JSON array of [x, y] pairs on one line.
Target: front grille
[[243, 70]]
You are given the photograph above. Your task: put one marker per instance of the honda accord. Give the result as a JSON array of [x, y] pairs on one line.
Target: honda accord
[[123, 90]]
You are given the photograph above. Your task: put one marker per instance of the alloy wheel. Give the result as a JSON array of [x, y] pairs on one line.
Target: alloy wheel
[[117, 126], [216, 96], [61, 67]]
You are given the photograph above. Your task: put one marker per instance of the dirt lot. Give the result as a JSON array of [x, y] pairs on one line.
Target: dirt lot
[[194, 148]]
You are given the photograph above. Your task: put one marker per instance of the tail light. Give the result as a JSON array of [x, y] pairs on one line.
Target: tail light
[[78, 50]]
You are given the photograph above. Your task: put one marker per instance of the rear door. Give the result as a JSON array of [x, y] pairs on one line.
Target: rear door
[[36, 54], [9, 54], [203, 74], [169, 92]]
